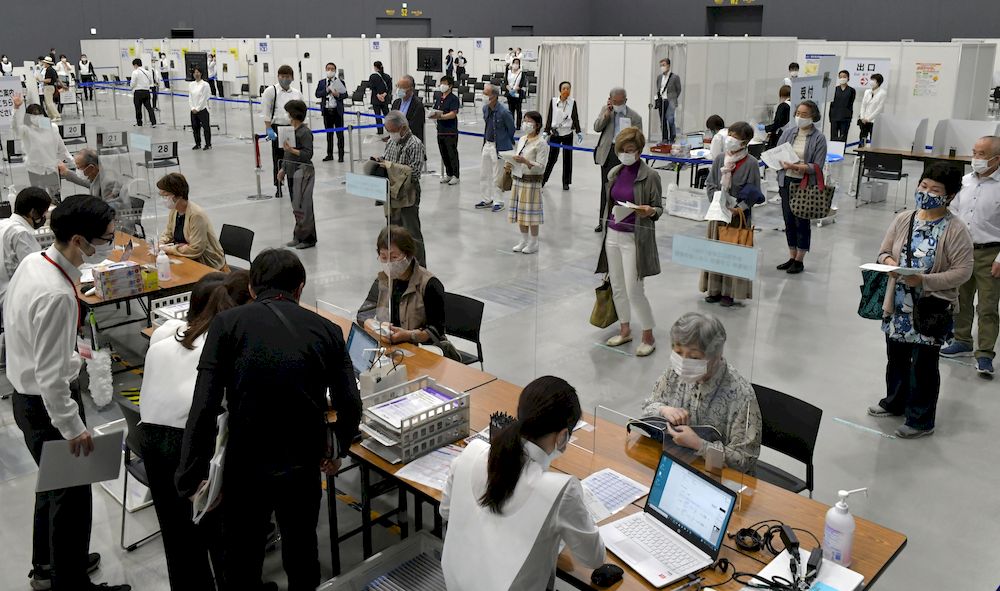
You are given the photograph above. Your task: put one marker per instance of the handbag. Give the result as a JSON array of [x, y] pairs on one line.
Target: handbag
[[931, 315], [446, 346], [741, 235], [873, 288], [811, 202], [604, 314], [506, 181]]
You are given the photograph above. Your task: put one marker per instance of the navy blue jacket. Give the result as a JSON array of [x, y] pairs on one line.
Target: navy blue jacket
[[321, 94]]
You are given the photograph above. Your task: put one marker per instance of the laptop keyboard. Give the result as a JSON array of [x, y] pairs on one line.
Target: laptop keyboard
[[662, 548]]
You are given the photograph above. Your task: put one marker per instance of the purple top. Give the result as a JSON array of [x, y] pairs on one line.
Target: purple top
[[623, 190]]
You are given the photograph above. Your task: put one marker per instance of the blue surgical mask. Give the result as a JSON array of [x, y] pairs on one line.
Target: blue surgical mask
[[928, 200]]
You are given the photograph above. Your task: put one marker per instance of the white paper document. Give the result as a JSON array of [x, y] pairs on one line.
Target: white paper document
[[890, 269], [775, 156], [61, 469], [607, 492], [207, 495], [718, 210], [432, 469], [286, 133], [395, 411], [508, 156]]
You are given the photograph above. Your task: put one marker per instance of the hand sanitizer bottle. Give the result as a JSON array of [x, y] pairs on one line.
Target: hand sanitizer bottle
[[163, 266], [838, 534]]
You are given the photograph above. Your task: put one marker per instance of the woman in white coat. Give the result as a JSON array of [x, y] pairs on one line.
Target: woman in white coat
[[45, 154], [507, 513], [871, 107]]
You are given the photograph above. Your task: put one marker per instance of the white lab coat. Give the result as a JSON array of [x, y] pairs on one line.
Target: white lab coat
[[517, 549], [719, 142], [872, 103]]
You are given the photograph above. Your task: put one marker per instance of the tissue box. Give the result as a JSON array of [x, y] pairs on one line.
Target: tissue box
[[118, 280]]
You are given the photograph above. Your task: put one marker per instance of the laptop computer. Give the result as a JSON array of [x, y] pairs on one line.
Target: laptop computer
[[357, 342], [681, 529]]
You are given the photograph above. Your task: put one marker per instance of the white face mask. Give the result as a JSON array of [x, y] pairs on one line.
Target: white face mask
[[395, 136], [39, 121], [400, 93], [444, 88], [330, 74], [394, 269], [803, 122], [793, 74], [620, 109], [628, 158], [169, 203], [843, 81], [101, 252], [732, 144], [559, 450], [689, 370], [664, 69], [981, 165], [528, 128]]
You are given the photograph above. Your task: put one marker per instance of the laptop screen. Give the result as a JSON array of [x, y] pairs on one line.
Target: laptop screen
[[357, 342], [691, 504]]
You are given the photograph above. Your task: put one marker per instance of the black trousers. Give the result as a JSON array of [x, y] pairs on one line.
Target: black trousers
[[380, 109], [202, 121], [153, 95], [141, 99], [514, 104], [249, 499], [61, 535], [840, 129], [166, 79], [88, 91], [334, 118], [912, 382], [611, 162], [866, 132], [409, 218], [277, 153], [567, 168], [211, 86], [448, 145], [191, 549], [460, 73]]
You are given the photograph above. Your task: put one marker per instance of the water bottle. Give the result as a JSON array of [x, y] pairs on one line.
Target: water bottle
[[163, 266]]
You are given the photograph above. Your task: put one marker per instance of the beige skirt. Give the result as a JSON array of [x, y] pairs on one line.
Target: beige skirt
[[723, 285]]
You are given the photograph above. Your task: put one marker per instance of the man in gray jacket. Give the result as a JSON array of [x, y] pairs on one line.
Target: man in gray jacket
[[668, 91], [609, 123], [100, 183]]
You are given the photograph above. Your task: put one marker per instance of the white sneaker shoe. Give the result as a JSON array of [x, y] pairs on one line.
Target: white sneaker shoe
[[445, 180], [618, 340], [453, 181], [520, 246], [531, 248]]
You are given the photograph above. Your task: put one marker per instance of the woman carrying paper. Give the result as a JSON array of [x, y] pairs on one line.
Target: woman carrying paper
[[735, 180], [809, 145]]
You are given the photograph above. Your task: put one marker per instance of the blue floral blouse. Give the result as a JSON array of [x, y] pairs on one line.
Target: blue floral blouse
[[899, 326]]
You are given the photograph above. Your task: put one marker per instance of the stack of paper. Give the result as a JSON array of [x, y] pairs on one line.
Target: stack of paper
[[432, 469], [607, 492], [395, 411], [775, 156]]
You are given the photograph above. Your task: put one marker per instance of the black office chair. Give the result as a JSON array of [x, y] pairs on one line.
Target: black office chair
[[463, 318], [469, 98], [463, 89], [886, 167], [365, 84], [995, 100], [236, 241], [701, 178], [790, 426], [479, 86], [358, 96], [134, 465], [756, 150]]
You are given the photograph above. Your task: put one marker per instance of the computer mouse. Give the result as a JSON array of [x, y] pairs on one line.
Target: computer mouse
[[606, 575]]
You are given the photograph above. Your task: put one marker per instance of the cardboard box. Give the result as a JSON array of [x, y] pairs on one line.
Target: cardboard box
[[118, 280]]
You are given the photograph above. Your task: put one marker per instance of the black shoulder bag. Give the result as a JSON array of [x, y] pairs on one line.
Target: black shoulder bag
[[931, 316]]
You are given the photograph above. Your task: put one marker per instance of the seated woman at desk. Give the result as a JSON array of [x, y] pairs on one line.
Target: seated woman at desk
[[503, 496], [189, 231], [417, 299], [171, 369], [702, 389]]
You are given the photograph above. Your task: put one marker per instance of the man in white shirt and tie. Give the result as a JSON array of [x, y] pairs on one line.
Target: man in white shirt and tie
[[41, 329], [273, 101], [140, 84], [198, 95], [977, 205], [17, 233]]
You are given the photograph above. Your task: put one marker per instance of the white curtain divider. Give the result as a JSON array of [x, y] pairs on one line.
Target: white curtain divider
[[558, 62]]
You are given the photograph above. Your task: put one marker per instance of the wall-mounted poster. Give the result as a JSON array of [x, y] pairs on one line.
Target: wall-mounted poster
[[927, 80]]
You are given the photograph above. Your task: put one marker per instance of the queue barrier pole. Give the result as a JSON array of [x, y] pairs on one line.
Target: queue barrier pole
[[350, 145], [173, 108], [258, 169]]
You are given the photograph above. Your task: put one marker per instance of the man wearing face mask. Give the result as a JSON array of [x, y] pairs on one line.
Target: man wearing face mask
[[273, 101], [331, 92], [402, 162], [446, 108], [101, 183], [87, 76], [43, 147], [977, 205], [668, 92], [793, 73], [498, 136], [17, 236], [43, 366], [609, 123], [700, 388], [460, 63], [842, 107], [408, 103]]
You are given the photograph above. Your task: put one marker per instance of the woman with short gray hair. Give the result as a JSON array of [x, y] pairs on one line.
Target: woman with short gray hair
[[702, 389]]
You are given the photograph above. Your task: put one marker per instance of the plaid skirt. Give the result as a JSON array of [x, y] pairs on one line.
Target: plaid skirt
[[525, 205]]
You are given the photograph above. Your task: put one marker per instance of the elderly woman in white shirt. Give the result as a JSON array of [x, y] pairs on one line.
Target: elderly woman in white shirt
[[502, 496], [527, 170], [171, 370], [44, 152]]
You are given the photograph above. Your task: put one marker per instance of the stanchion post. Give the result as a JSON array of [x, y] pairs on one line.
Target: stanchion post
[[350, 144], [225, 118], [173, 109], [114, 98], [93, 93]]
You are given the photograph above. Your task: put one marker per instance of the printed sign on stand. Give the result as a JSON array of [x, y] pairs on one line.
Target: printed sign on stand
[[9, 86], [808, 88], [861, 70]]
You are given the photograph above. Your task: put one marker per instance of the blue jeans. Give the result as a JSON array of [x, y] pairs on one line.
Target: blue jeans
[[667, 128], [798, 232]]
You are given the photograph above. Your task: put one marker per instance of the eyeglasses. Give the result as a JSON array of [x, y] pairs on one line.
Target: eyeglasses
[[391, 258], [107, 238]]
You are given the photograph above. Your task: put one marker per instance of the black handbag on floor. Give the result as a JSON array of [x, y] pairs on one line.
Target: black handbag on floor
[[932, 316]]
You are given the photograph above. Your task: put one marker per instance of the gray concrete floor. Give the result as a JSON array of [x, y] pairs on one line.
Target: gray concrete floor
[[800, 335]]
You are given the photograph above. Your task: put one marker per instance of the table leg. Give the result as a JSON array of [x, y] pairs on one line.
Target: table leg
[[366, 512], [418, 513], [677, 167], [861, 167], [402, 517], [331, 507], [438, 525]]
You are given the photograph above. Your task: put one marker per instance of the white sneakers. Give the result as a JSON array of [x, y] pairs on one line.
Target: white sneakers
[[453, 181], [526, 245], [445, 180], [520, 245]]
